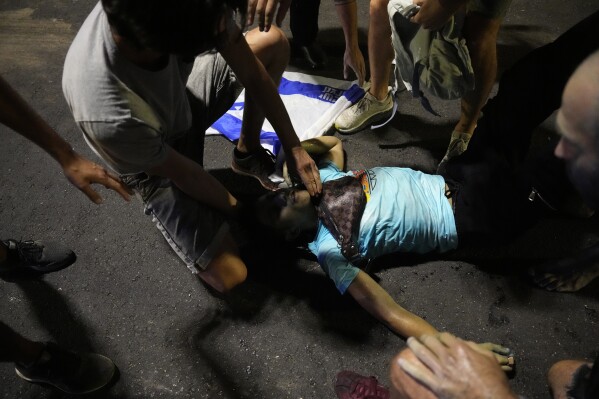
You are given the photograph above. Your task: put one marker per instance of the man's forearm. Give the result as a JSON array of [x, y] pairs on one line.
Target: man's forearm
[[260, 86], [203, 187], [19, 116]]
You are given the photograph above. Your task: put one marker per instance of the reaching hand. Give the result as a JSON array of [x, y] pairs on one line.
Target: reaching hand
[[82, 173], [433, 15], [453, 368], [354, 60], [302, 165], [266, 10]]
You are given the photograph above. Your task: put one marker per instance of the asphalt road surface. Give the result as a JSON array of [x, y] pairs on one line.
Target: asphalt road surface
[[287, 332]]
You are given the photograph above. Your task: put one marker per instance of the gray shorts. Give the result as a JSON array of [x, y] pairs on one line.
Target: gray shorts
[[194, 230], [494, 9]]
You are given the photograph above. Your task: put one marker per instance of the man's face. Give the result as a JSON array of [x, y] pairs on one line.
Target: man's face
[[286, 209], [579, 146]]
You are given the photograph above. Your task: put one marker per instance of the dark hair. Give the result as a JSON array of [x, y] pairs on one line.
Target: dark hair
[[184, 27]]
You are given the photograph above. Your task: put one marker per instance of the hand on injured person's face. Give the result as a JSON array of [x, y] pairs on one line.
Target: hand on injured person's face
[[288, 211], [300, 164]]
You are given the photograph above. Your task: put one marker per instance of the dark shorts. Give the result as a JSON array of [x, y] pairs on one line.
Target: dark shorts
[[194, 230]]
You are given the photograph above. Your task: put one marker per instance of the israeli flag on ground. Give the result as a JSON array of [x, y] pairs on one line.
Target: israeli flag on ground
[[313, 104]]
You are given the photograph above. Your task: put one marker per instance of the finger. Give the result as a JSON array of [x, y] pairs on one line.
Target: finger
[[316, 177], [283, 8], [260, 12], [434, 344], [119, 187], [498, 349], [502, 355], [362, 75], [448, 339], [91, 194], [417, 370], [251, 12], [271, 7], [346, 69], [424, 354], [310, 185], [118, 180]]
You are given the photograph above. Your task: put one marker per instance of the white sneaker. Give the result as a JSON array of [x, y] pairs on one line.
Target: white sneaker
[[366, 111]]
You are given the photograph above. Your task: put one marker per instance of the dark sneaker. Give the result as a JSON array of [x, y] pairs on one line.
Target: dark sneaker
[[350, 385], [73, 373], [37, 256], [259, 165]]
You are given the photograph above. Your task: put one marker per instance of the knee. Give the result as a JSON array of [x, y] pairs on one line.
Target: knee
[[226, 270], [274, 42], [234, 278], [377, 6], [223, 274], [403, 386]]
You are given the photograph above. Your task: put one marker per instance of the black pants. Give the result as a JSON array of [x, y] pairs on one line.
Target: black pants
[[303, 21], [494, 177]]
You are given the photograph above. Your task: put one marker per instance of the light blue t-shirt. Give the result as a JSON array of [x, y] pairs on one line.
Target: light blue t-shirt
[[407, 211]]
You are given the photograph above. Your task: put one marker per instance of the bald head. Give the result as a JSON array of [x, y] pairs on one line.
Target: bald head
[[580, 101], [578, 124]]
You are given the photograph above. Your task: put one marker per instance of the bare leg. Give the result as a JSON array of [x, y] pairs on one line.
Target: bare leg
[[227, 269], [17, 349], [272, 49], [481, 38], [380, 49]]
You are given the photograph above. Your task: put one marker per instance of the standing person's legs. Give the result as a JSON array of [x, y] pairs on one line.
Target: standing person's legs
[[17, 349], [380, 49], [303, 22], [377, 103], [71, 372]]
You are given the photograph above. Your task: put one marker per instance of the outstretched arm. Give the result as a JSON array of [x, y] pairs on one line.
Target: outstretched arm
[[372, 297], [81, 172]]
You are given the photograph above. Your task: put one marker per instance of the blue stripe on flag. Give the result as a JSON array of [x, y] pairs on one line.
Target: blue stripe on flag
[[320, 92], [230, 126]]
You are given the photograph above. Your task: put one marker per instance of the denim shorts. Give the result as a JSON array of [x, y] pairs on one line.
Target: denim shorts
[[194, 230]]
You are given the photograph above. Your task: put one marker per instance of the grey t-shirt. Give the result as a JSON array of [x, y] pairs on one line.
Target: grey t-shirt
[[127, 114]]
